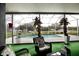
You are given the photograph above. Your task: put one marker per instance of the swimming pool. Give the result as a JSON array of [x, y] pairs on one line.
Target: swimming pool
[[45, 36], [29, 38]]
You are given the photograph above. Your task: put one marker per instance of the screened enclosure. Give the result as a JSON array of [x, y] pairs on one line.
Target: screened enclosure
[[20, 27]]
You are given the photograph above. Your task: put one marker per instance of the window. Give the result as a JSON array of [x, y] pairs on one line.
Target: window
[[8, 28], [73, 26], [23, 29], [50, 23], [20, 29]]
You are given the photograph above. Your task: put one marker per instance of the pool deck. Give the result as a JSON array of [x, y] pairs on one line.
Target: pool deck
[[54, 39]]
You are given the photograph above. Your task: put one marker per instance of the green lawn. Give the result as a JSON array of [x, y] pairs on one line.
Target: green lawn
[[74, 46], [55, 47], [8, 34]]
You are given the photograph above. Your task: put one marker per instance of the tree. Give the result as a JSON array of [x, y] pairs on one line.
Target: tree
[[37, 25], [56, 26], [29, 27], [64, 22], [21, 27], [25, 26]]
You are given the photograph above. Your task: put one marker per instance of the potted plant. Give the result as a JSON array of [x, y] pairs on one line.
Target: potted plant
[[37, 25], [64, 22]]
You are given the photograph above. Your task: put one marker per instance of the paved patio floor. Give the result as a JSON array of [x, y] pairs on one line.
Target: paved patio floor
[[30, 40]]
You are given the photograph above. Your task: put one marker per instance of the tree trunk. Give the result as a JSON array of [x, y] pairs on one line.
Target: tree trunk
[[39, 30], [65, 27], [65, 31]]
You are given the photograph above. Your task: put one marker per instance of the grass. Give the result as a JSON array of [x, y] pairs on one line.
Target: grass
[[74, 48], [55, 48], [8, 34], [73, 32]]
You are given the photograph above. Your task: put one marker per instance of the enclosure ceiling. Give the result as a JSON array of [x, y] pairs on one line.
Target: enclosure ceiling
[[42, 7]]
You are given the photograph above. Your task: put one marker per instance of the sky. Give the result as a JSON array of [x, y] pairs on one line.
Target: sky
[[47, 20]]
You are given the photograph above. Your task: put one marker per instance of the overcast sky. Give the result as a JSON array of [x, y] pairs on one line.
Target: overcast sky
[[46, 20]]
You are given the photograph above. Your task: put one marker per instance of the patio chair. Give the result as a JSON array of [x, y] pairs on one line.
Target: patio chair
[[65, 51], [8, 51], [1, 49], [41, 47], [23, 52]]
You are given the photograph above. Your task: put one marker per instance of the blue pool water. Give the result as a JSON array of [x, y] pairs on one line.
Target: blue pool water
[[45, 36]]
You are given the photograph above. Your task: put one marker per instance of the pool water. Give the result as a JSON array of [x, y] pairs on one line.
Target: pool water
[[45, 36]]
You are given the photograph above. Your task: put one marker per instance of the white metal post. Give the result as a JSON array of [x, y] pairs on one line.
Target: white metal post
[[77, 27], [55, 28]]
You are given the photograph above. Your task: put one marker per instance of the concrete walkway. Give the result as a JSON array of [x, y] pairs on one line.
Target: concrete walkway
[[30, 40]]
